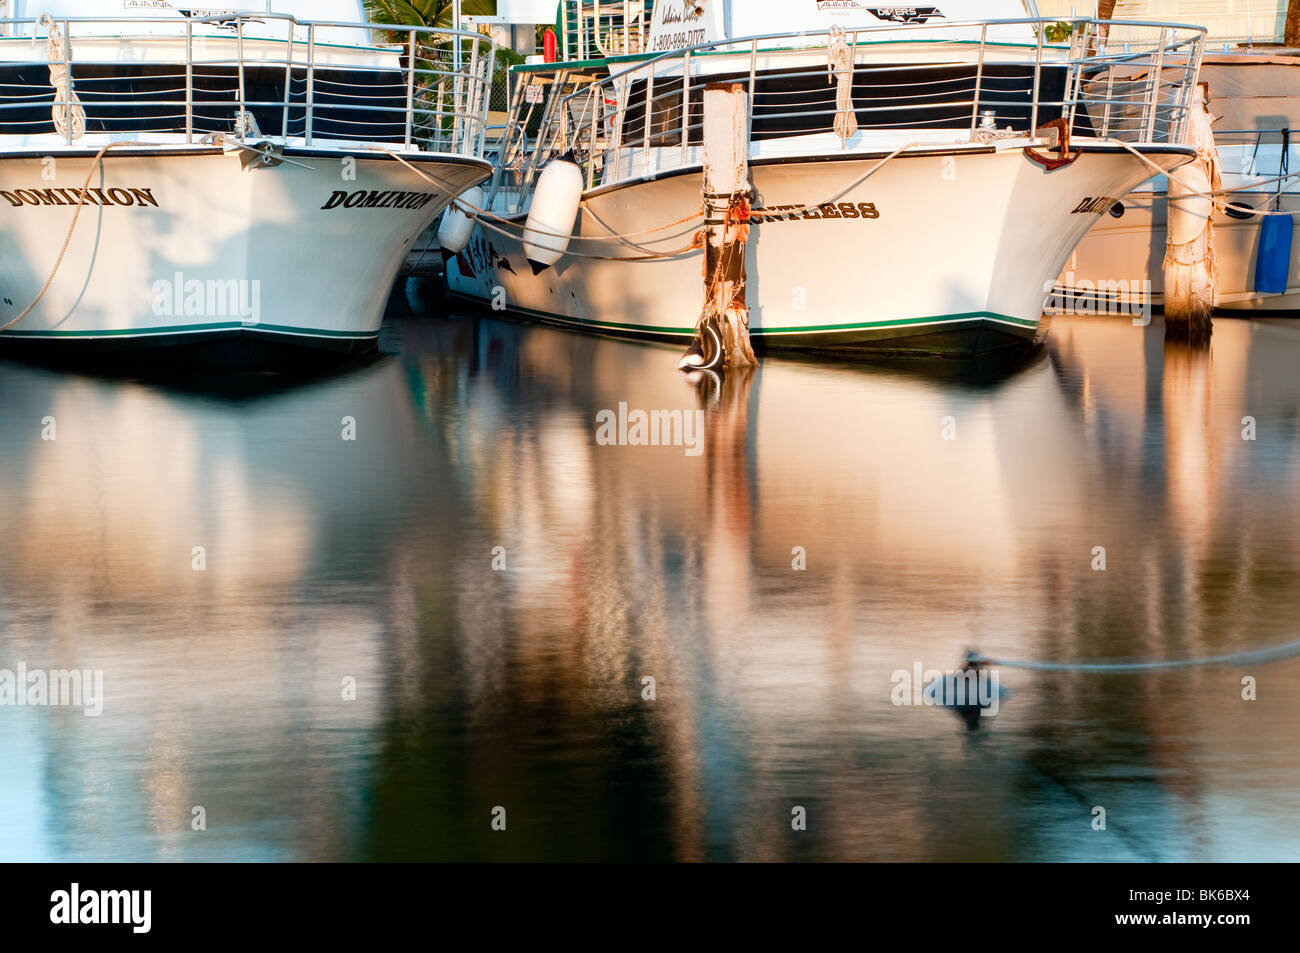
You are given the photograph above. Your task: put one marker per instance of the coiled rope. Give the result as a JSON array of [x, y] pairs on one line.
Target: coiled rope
[[839, 69], [67, 239], [67, 113]]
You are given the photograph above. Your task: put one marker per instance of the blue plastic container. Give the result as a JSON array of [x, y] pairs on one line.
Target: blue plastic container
[[1273, 262]]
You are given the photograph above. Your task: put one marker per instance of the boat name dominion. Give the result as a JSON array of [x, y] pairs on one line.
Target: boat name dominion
[[107, 197], [364, 198]]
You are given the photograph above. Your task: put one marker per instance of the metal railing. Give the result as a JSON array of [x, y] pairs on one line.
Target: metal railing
[[1260, 154], [269, 76], [597, 28], [648, 119]]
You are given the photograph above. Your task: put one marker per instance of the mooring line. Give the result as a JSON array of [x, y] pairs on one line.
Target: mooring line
[[1215, 197], [96, 163], [471, 211], [1252, 657]]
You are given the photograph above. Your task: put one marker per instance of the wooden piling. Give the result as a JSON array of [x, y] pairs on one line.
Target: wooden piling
[[722, 331], [1189, 269]]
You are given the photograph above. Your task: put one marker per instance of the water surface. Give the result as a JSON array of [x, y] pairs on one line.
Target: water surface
[[522, 687]]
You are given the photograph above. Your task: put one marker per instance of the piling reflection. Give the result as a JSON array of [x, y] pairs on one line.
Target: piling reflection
[[643, 653]]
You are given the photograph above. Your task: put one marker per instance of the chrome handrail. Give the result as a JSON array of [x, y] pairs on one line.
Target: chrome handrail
[[618, 19], [1140, 91], [211, 72]]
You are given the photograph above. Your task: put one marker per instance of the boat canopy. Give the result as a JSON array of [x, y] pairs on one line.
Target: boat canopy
[[1251, 92], [679, 24]]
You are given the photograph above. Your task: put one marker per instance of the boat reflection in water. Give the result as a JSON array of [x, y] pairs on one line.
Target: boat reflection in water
[[524, 686]]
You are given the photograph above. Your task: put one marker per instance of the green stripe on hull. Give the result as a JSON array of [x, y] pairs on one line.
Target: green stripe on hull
[[902, 323], [758, 332], [189, 329]]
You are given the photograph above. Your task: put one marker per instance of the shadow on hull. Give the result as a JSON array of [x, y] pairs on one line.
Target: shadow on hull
[[976, 371], [228, 363], [959, 339]]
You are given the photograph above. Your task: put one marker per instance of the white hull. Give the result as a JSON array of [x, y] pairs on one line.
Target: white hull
[[1252, 97], [197, 243], [959, 259], [1116, 260]]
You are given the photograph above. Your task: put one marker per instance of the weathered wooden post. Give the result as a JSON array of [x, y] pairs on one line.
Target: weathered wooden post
[[722, 332], [1189, 270]]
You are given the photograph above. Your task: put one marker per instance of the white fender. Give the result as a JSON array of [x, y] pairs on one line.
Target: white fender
[[456, 227], [1188, 213], [554, 210]]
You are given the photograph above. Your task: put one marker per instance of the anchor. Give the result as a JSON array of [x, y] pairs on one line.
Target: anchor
[[264, 155], [1061, 143]]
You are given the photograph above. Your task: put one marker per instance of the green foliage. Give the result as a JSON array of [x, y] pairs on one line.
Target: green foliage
[[438, 14], [430, 13], [1058, 32]]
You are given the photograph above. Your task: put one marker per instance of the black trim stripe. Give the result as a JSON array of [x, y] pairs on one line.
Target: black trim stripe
[[198, 150]]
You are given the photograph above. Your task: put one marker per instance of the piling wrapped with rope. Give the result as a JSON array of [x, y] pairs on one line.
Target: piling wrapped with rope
[[1189, 266], [722, 331]]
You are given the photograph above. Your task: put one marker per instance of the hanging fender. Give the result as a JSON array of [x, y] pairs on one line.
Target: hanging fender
[[1063, 157]]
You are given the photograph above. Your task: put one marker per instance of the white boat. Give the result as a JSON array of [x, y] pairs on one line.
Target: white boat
[[1255, 99], [231, 184], [921, 200]]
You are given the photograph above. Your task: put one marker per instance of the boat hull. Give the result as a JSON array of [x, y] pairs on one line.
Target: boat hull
[[208, 253], [946, 252], [1119, 265]]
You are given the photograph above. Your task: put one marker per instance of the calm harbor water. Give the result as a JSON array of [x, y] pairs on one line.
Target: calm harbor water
[[372, 560]]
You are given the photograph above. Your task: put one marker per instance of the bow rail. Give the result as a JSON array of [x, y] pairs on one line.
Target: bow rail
[[264, 76], [874, 88]]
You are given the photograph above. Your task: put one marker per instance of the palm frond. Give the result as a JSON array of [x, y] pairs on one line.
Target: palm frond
[[428, 13]]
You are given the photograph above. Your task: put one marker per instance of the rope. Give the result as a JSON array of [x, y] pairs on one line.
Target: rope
[[1255, 656], [649, 255], [1255, 185], [1214, 196], [624, 237], [848, 188], [471, 211], [695, 243], [474, 212], [67, 240], [67, 113], [840, 70]]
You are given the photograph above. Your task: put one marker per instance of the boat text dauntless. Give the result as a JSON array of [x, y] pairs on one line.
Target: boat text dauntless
[[916, 179], [232, 183]]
